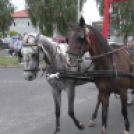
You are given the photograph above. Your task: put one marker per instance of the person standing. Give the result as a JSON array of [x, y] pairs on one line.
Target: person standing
[[11, 48], [132, 41], [18, 46]]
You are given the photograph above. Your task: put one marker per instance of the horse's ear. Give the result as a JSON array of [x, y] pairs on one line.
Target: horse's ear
[[82, 22]]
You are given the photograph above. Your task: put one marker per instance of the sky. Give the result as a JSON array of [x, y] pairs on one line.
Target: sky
[[89, 11]]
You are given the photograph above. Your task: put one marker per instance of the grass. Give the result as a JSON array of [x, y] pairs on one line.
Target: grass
[[11, 61], [8, 61]]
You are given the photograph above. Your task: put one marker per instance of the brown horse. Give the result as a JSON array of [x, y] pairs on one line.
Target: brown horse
[[83, 38]]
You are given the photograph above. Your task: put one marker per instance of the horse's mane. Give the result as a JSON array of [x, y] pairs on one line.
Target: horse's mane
[[101, 40], [31, 39]]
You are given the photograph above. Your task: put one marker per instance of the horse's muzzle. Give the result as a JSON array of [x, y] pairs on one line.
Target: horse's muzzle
[[71, 61], [30, 75]]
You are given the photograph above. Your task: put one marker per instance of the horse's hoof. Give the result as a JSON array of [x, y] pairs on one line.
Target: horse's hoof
[[103, 133], [57, 132], [127, 132], [81, 126], [91, 123]]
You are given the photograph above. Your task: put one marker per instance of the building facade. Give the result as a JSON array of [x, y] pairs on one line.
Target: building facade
[[22, 23]]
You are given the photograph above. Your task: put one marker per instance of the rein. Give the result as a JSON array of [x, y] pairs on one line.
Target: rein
[[53, 65], [104, 54]]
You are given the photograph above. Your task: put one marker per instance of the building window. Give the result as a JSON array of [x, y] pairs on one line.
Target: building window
[[23, 24], [18, 24], [14, 24], [28, 24]]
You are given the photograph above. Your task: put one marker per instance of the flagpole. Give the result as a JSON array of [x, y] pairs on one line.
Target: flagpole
[[106, 19], [106, 16]]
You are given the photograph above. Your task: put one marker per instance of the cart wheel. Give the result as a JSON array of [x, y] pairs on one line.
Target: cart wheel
[[129, 97]]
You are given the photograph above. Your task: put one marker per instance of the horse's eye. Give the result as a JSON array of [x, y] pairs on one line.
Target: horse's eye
[[33, 55]]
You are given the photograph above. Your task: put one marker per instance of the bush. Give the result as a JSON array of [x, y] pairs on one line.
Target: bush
[[13, 33]]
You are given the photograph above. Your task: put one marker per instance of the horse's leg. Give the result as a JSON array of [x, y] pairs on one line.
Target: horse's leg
[[57, 103], [104, 96], [94, 115], [123, 96], [71, 95]]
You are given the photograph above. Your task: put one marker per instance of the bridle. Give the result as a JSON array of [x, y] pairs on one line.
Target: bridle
[[36, 43], [83, 36]]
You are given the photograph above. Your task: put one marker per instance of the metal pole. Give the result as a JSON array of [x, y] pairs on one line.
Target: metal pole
[[106, 18], [78, 9]]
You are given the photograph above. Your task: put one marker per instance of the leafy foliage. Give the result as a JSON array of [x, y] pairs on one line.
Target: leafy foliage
[[13, 33], [6, 8], [120, 10], [47, 13]]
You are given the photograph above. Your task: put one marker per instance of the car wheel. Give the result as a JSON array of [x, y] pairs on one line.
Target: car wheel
[[129, 97]]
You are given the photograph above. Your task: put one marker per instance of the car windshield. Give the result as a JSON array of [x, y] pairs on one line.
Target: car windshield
[[62, 41]]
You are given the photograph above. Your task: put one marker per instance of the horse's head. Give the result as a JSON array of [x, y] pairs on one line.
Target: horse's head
[[79, 39], [30, 51]]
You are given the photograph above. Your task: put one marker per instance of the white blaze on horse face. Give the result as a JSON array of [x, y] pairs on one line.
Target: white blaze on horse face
[[68, 59], [72, 33], [73, 64]]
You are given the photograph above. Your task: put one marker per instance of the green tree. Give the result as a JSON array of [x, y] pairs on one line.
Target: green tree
[[13, 33], [123, 11], [48, 13], [6, 8]]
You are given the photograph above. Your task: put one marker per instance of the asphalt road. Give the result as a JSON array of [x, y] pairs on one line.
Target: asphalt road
[[28, 108]]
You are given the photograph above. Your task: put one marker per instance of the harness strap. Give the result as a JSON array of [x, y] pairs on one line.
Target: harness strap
[[114, 64], [104, 54]]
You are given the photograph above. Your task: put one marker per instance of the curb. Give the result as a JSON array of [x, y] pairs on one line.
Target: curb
[[18, 66], [11, 66]]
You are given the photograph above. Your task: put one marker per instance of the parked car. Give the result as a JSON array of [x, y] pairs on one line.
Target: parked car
[[3, 44], [59, 40]]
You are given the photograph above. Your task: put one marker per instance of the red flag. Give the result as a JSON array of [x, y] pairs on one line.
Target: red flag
[[119, 0]]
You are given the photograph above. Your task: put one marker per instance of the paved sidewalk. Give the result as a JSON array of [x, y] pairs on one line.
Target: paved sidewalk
[[11, 66]]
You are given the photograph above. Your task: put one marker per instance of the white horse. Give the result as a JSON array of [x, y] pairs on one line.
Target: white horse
[[55, 57]]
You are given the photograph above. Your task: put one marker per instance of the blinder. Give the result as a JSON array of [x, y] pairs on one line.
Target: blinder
[[81, 37]]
